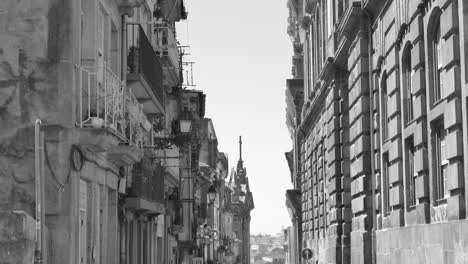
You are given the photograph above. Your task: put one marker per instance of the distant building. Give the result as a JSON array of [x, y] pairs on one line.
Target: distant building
[[242, 205]]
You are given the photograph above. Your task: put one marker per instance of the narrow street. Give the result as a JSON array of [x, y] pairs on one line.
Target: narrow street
[[107, 154], [127, 128]]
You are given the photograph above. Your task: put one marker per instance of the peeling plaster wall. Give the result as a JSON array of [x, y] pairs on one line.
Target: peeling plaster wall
[[33, 71], [36, 81]]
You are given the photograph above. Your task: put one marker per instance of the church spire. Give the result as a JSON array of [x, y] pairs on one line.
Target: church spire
[[240, 162], [240, 148]]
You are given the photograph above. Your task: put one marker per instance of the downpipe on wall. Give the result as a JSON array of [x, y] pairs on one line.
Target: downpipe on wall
[[39, 256]]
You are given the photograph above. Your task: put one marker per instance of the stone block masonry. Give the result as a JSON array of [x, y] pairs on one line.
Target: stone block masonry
[[17, 238], [394, 104]]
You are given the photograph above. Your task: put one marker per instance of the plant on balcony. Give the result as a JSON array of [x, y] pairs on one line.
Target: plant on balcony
[[133, 60], [158, 122]]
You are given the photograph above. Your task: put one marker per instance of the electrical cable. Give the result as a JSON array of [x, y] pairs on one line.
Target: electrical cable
[[52, 172]]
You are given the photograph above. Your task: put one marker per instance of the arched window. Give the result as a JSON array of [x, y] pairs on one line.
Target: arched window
[[319, 37], [407, 70], [435, 41], [313, 53]]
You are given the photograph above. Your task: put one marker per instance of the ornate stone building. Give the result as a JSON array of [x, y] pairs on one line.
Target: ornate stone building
[[377, 114], [242, 204]]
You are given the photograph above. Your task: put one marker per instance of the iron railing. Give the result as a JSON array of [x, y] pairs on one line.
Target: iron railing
[[104, 103], [166, 43], [148, 181], [142, 59], [138, 127], [101, 103]]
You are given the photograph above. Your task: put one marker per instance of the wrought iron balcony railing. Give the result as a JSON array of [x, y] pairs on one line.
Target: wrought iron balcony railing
[[148, 181], [101, 99], [142, 59], [137, 124], [166, 43], [104, 103]]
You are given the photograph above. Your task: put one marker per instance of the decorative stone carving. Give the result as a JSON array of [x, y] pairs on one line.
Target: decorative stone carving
[[305, 22], [298, 48]]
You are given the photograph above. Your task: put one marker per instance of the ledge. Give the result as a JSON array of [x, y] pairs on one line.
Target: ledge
[[124, 154], [16, 226], [145, 206], [349, 18]]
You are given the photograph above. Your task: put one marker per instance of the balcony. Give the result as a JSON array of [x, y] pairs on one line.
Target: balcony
[[104, 109], [144, 70], [146, 193], [136, 127], [100, 107], [166, 48]]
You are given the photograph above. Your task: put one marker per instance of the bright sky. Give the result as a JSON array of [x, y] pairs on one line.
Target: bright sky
[[242, 57]]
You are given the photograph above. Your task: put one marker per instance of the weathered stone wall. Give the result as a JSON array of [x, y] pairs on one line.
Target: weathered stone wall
[[442, 243], [17, 237], [38, 58], [397, 118], [30, 61], [360, 152], [35, 82]]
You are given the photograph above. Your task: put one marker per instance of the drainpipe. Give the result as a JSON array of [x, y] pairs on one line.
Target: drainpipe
[[40, 191], [371, 124], [166, 239], [123, 245]]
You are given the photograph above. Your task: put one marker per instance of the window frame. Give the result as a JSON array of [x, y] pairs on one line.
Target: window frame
[[435, 45], [410, 172], [440, 166], [407, 83], [386, 184]]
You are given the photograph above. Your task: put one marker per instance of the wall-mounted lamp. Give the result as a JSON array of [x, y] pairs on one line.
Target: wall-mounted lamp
[[181, 130], [212, 193]]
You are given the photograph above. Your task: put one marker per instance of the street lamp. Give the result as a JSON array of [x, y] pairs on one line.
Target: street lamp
[[181, 130], [212, 193], [185, 126]]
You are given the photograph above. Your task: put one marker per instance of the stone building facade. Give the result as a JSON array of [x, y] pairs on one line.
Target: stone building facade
[[242, 204], [92, 106], [379, 126]]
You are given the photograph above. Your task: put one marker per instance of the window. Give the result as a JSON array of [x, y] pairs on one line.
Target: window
[[340, 8], [115, 49], [330, 17], [440, 163], [386, 183], [308, 72], [407, 70], [436, 65], [313, 51], [318, 38], [410, 172], [323, 36], [384, 98]]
